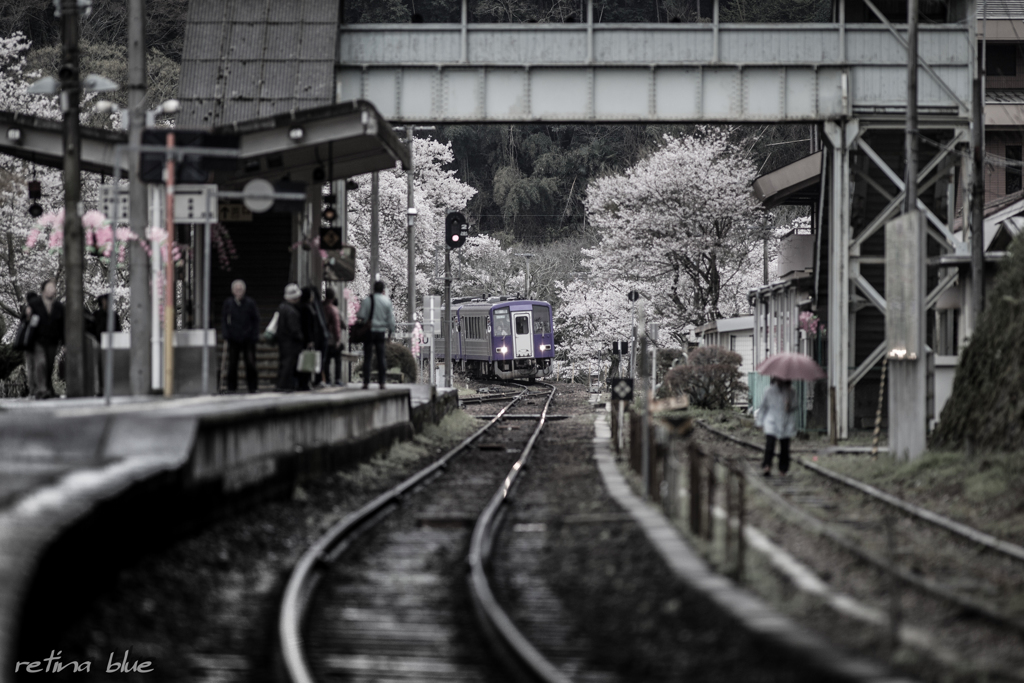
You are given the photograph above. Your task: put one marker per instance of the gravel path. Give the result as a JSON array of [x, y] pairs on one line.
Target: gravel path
[[630, 616]]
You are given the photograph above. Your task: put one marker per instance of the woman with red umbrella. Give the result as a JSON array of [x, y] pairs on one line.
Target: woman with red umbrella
[[777, 414]]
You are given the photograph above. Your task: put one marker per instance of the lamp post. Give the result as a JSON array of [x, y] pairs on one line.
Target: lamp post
[[410, 220], [70, 89]]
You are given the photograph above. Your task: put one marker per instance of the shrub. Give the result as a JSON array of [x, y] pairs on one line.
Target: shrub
[[397, 356], [986, 407], [711, 377]]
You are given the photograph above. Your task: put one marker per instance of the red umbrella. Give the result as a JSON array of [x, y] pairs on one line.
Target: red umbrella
[[791, 366]]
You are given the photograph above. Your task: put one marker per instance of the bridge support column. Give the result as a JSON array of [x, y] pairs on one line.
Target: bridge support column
[[841, 136]]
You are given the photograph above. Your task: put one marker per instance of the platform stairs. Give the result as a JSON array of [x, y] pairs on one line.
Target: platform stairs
[[266, 366]]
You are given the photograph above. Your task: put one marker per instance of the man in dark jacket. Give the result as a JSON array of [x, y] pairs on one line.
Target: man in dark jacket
[[49, 336], [241, 328], [289, 337]]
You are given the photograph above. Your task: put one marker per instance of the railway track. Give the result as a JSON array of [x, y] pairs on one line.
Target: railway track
[[397, 605], [977, 579]]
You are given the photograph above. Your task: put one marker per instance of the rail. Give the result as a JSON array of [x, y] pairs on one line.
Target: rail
[[310, 568], [513, 645]]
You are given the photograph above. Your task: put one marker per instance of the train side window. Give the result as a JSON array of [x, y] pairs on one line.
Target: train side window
[[474, 328], [541, 320], [502, 323]]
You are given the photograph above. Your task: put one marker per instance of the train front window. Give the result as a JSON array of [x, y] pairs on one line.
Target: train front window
[[541, 320], [502, 323], [522, 324]]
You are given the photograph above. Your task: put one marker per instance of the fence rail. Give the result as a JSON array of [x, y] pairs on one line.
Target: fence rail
[[699, 491]]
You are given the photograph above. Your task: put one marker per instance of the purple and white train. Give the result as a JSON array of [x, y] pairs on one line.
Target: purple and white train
[[502, 339]]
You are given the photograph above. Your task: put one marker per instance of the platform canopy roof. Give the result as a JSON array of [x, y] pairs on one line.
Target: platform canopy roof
[[341, 140], [42, 141]]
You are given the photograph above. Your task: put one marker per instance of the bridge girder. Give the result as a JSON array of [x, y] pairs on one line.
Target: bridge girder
[[615, 73]]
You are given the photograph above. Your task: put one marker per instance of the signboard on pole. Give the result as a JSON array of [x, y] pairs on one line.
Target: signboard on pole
[[190, 203], [115, 199], [622, 388]]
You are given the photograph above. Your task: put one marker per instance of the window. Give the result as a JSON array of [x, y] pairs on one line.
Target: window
[[541, 320], [474, 328], [732, 342], [502, 323], [1001, 59], [947, 332], [1013, 172], [522, 324]]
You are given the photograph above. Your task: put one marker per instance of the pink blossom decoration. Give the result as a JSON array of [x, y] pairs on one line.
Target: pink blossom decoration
[[93, 220], [809, 323]]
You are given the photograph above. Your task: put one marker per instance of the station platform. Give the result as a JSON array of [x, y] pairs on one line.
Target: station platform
[[84, 484]]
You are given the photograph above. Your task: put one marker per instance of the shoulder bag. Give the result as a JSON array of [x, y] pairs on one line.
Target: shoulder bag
[[360, 331], [270, 334]]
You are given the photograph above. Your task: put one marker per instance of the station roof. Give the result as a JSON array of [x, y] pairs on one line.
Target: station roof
[[42, 141], [253, 59], [344, 140], [794, 184]]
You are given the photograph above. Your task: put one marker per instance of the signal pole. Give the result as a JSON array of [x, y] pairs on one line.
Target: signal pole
[[74, 242], [447, 322]]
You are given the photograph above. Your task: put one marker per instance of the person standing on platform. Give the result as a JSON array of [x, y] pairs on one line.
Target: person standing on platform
[[49, 336], [377, 309], [29, 351], [314, 333], [241, 328], [334, 326], [777, 415], [289, 337], [96, 325]]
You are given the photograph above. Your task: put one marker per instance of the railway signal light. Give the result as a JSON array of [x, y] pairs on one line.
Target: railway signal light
[[456, 230], [35, 192]]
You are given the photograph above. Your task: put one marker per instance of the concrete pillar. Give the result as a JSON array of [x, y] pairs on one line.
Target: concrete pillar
[[841, 136]]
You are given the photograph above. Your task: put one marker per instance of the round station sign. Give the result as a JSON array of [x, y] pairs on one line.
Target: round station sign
[[257, 195]]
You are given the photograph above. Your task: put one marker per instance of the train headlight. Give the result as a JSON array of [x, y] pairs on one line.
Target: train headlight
[[545, 347], [502, 349]]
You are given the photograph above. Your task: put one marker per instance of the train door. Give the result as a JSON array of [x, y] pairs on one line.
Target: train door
[[522, 334]]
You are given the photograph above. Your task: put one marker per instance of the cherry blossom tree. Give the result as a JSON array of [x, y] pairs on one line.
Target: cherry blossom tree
[[30, 249], [438, 191], [682, 229]]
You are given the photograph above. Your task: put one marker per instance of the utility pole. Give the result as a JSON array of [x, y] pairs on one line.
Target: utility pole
[[978, 193], [906, 269], [527, 287], [645, 400], [910, 199], [169, 285], [140, 363], [74, 243], [411, 229]]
